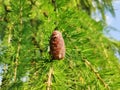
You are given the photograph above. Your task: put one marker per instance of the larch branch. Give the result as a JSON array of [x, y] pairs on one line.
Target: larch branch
[[97, 74], [49, 82]]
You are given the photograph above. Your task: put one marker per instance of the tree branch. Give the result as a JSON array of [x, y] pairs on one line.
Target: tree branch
[[97, 74], [16, 62], [49, 82], [18, 49]]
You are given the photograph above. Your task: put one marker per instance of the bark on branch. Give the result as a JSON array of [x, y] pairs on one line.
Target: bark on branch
[[49, 82]]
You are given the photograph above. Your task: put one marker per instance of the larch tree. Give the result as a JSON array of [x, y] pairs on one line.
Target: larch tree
[[25, 29]]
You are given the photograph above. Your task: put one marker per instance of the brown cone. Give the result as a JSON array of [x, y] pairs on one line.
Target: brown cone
[[57, 46]]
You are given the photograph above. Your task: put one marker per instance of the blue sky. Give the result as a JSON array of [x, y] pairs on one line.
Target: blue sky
[[114, 22]]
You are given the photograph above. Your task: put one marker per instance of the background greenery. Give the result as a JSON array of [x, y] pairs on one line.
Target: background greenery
[[25, 29]]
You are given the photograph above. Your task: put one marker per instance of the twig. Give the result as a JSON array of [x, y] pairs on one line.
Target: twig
[[10, 36], [49, 82], [105, 52], [97, 74], [16, 62], [19, 46]]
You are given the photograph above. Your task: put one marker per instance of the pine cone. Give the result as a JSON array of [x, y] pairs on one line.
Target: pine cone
[[57, 46]]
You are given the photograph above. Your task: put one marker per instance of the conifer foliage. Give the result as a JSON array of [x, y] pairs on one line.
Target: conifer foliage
[[25, 30]]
